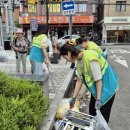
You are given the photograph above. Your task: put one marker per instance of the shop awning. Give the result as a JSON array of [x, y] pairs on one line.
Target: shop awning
[[57, 19]]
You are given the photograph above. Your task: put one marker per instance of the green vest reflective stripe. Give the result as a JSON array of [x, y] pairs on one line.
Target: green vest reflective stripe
[[88, 56], [37, 45], [37, 40], [94, 46]]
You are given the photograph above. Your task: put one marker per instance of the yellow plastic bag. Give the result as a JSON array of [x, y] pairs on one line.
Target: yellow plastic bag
[[64, 106]]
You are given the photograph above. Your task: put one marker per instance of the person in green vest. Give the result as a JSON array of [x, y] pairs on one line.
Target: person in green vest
[[96, 73], [38, 53], [84, 43]]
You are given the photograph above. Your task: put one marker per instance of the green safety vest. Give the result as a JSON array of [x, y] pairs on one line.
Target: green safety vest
[[88, 56], [94, 46], [109, 79], [37, 40]]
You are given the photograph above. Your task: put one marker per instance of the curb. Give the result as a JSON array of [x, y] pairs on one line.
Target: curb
[[114, 44], [50, 117]]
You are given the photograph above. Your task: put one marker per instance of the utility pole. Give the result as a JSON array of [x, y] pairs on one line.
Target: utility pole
[[70, 25], [68, 8], [21, 8], [6, 18], [11, 17], [1, 29], [47, 17]]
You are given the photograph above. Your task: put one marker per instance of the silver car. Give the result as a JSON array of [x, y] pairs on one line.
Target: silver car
[[66, 38]]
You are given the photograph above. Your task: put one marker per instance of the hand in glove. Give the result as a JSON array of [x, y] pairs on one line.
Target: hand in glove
[[72, 102], [98, 104]]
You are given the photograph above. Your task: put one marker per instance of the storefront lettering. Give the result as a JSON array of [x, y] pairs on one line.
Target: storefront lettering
[[119, 19], [61, 19], [50, 19], [121, 27], [26, 20], [67, 19], [57, 19]]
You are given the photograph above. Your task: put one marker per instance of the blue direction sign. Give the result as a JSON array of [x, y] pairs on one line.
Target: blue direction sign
[[68, 7]]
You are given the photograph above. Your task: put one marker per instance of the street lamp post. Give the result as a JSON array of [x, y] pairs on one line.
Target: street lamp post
[[6, 16], [1, 29], [11, 17], [47, 17], [70, 26]]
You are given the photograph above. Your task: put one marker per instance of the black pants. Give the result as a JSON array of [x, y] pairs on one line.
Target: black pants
[[105, 109]]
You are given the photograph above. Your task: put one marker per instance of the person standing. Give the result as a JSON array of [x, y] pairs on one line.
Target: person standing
[[38, 52], [97, 75], [21, 46]]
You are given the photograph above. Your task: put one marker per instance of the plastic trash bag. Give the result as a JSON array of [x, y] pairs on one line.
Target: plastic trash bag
[[101, 123], [3, 55], [64, 106], [50, 47], [57, 124]]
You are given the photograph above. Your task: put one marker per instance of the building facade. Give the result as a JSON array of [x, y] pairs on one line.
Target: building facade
[[114, 21], [82, 20]]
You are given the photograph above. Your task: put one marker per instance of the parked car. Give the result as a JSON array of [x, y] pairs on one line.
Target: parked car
[[66, 38]]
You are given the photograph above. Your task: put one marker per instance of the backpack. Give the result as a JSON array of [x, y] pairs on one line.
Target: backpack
[[26, 40]]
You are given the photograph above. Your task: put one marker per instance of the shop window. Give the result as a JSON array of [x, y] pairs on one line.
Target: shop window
[[120, 6], [54, 8], [81, 8], [76, 7], [31, 8]]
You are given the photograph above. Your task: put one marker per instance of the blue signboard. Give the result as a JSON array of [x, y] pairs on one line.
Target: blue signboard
[[68, 7], [34, 24]]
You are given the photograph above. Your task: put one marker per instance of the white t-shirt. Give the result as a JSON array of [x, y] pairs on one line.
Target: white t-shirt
[[95, 69], [44, 42]]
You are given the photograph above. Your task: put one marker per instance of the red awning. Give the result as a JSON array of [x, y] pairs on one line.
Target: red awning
[[58, 19]]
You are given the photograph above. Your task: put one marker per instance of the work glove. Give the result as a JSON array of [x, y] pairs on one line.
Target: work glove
[[72, 102], [98, 104]]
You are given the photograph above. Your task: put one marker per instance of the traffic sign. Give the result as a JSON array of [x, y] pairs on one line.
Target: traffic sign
[[34, 24], [68, 7]]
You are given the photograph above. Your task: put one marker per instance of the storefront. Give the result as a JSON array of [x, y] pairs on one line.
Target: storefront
[[118, 33], [58, 25], [116, 30]]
